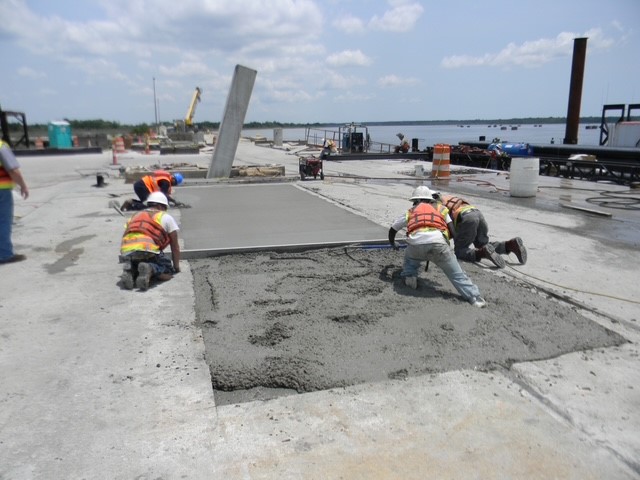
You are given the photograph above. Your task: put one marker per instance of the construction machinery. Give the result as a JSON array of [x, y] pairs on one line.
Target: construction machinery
[[310, 167], [187, 122], [5, 128]]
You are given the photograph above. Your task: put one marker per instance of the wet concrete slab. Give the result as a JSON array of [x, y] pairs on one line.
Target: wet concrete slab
[[328, 318], [267, 215]]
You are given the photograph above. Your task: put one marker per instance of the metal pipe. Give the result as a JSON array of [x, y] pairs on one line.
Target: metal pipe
[[575, 91]]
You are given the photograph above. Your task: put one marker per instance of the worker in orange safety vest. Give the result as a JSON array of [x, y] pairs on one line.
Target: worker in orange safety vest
[[146, 236], [472, 234], [429, 228], [160, 181]]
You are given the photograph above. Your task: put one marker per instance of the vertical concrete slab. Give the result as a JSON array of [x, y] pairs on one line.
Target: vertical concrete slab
[[277, 137], [232, 122]]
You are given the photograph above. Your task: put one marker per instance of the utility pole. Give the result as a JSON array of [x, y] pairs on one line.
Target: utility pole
[[155, 102]]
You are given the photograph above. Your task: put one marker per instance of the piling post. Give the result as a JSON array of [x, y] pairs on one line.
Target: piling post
[[575, 91]]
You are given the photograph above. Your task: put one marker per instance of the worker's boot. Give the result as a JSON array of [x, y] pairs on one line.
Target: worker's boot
[[516, 246], [126, 205], [145, 271], [127, 276], [489, 253], [411, 282]]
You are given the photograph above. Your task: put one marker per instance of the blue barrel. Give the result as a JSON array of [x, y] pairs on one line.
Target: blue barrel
[[517, 149]]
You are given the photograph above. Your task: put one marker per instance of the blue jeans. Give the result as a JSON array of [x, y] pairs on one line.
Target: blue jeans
[[6, 221], [160, 263], [443, 257]]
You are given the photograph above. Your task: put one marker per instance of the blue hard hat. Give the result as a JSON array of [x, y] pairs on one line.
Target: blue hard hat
[[179, 178]]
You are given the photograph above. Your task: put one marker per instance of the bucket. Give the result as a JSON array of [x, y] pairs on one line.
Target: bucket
[[523, 178], [419, 171]]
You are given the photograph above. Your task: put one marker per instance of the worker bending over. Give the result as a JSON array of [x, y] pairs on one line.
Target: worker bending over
[[160, 181], [146, 236], [472, 235], [429, 228]]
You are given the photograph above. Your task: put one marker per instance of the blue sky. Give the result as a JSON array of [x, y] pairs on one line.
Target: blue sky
[[317, 61]]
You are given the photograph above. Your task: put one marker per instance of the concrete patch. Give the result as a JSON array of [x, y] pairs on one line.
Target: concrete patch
[[320, 319]]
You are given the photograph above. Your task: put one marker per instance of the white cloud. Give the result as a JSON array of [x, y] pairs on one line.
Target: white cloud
[[353, 97], [30, 73], [349, 24], [394, 81], [401, 18], [335, 81], [530, 54], [349, 58]]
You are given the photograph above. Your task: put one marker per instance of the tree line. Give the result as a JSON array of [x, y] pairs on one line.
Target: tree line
[[142, 128]]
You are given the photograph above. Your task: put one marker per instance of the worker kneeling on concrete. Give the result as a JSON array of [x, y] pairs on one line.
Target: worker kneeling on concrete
[[429, 228], [161, 181], [472, 235], [146, 236]]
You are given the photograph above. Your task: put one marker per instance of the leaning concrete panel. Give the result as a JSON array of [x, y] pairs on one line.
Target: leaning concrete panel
[[232, 121], [256, 216]]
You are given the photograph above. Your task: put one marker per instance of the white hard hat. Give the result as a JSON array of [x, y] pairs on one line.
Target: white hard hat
[[422, 193], [158, 197]]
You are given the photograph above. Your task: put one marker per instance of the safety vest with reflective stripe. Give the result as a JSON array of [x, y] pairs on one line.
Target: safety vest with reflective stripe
[[144, 233], [151, 181], [426, 216], [6, 183], [456, 206]]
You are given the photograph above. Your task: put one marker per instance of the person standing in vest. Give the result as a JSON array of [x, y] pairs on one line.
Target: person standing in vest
[[10, 176], [472, 235], [146, 236], [160, 181], [429, 228]]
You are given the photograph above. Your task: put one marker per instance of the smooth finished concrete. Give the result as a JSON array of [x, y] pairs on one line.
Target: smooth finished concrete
[[241, 217], [99, 382]]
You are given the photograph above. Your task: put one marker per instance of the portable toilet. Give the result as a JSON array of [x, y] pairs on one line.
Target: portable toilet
[[60, 134]]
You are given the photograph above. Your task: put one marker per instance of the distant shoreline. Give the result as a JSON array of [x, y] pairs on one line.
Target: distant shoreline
[[101, 126]]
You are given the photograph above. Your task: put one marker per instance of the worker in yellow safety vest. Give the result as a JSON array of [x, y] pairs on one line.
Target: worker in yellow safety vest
[[472, 235], [10, 176]]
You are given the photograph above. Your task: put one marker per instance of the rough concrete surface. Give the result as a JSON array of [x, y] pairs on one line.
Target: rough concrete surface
[[329, 318]]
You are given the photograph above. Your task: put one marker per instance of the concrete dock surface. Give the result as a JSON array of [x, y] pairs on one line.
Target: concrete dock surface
[[104, 383]]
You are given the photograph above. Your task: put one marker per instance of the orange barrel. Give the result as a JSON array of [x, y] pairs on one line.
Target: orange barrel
[[440, 168], [119, 145]]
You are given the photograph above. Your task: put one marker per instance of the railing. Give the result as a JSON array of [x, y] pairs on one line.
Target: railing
[[315, 137]]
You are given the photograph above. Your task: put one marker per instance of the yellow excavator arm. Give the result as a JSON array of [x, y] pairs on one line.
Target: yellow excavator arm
[[188, 119]]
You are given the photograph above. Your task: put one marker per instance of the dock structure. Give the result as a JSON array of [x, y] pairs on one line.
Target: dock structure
[[588, 162]]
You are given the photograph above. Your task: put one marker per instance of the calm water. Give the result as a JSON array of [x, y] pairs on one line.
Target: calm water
[[451, 134]]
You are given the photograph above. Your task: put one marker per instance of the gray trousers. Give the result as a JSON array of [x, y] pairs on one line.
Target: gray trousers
[[472, 231]]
